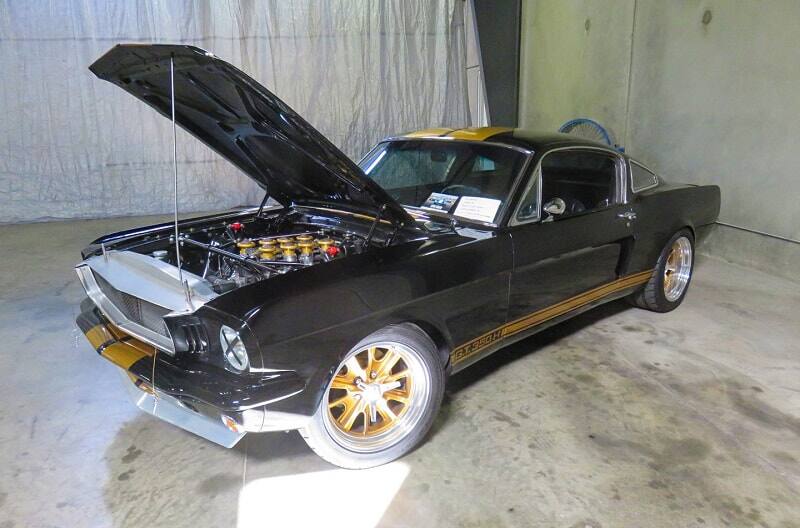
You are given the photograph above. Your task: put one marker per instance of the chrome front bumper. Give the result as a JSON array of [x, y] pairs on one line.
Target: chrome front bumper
[[172, 411]]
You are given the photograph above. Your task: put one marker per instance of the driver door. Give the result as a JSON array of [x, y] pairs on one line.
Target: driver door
[[560, 258]]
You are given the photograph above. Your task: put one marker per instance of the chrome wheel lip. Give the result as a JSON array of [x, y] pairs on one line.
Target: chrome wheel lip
[[677, 269], [406, 423]]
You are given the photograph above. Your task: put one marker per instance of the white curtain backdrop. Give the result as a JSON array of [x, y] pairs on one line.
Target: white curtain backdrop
[[72, 146]]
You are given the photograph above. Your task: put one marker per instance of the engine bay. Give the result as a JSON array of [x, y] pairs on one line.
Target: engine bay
[[234, 254]]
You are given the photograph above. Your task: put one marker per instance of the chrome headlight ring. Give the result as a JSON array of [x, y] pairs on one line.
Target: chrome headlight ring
[[233, 349]]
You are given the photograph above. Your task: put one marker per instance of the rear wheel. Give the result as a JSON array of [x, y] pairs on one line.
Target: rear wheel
[[381, 402], [667, 286]]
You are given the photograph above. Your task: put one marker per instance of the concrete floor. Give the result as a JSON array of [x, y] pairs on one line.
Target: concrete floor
[[620, 417]]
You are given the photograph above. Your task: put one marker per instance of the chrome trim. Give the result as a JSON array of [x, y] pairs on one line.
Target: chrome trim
[[643, 166], [454, 140], [621, 191], [116, 317], [534, 180], [145, 278], [264, 420], [171, 410]]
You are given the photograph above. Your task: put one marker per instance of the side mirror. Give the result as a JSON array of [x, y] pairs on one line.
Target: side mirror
[[555, 207]]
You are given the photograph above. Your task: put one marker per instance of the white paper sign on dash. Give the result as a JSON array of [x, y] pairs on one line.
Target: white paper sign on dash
[[477, 208]]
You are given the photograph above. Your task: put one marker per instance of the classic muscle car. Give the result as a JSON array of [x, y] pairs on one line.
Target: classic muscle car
[[341, 306]]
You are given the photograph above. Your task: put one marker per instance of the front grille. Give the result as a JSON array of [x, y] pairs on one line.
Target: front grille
[[146, 314]]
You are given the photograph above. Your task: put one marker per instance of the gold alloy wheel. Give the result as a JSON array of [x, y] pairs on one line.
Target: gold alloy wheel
[[376, 397], [677, 269]]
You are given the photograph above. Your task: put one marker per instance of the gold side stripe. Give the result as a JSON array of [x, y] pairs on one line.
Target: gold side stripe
[[474, 346]]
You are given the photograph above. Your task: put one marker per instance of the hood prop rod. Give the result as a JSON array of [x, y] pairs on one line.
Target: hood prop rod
[[374, 224], [263, 203], [184, 283]]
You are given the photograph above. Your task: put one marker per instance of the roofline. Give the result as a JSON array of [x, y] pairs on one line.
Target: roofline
[[521, 138], [469, 134]]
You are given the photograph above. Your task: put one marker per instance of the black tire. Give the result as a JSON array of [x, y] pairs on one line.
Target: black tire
[[321, 432], [653, 296]]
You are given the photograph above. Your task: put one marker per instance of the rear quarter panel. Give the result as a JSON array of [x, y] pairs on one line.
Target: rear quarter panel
[[664, 210]]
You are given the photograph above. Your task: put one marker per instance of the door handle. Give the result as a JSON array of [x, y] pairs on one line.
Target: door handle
[[627, 215]]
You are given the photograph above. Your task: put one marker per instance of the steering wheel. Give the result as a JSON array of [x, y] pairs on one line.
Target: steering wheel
[[461, 190]]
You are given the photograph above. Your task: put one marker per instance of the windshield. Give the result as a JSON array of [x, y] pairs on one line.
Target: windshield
[[467, 180]]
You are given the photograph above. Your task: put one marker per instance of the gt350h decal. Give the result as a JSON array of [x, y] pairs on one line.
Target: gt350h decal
[[471, 348]]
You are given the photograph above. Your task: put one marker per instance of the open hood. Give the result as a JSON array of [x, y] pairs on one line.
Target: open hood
[[247, 124]]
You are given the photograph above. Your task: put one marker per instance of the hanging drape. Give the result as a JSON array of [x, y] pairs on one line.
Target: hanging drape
[[72, 146]]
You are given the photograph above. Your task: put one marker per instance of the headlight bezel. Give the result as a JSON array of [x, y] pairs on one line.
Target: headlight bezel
[[211, 321], [234, 350]]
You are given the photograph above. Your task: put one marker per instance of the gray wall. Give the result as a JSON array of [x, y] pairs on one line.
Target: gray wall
[[703, 91]]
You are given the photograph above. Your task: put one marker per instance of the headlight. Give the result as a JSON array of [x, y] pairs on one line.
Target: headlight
[[233, 348]]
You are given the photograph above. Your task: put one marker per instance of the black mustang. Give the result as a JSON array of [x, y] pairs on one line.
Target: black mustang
[[340, 306]]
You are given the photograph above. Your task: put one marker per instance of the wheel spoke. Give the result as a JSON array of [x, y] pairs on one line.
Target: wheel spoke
[[371, 361], [387, 363], [396, 395], [672, 258], [348, 417], [386, 413], [341, 382], [347, 400], [389, 386], [354, 369], [396, 376]]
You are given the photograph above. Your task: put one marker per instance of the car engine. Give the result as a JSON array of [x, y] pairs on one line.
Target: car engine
[[237, 254]]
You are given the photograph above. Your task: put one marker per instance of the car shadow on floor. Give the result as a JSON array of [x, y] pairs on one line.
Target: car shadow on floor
[[511, 353]]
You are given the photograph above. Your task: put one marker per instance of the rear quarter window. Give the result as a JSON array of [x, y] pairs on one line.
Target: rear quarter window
[[641, 178]]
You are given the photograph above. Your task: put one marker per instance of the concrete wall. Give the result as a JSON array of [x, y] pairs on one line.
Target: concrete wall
[[703, 91]]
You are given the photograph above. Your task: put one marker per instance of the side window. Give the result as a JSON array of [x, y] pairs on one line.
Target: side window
[[483, 164], [584, 180], [641, 178]]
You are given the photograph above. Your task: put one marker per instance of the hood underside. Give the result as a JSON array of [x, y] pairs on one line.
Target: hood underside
[[247, 124]]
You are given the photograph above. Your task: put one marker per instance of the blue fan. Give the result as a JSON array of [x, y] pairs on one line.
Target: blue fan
[[589, 129]]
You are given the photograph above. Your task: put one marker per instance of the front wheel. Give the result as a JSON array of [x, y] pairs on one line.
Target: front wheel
[[667, 286], [381, 401]]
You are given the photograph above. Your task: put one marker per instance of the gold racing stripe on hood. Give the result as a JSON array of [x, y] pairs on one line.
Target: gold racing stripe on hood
[[509, 329]]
